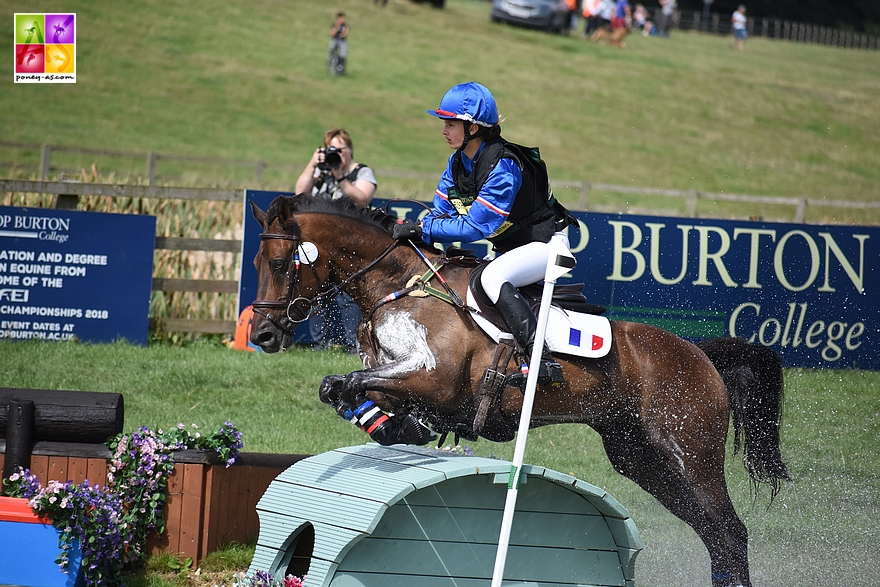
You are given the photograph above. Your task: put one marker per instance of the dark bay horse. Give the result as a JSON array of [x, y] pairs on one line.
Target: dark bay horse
[[661, 405]]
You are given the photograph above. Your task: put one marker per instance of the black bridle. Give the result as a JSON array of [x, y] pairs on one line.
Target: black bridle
[[291, 300]]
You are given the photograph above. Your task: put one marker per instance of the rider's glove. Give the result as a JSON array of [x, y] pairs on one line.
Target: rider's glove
[[405, 229]]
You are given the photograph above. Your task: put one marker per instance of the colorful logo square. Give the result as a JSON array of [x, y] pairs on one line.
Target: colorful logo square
[[30, 58], [59, 58], [45, 48], [60, 29]]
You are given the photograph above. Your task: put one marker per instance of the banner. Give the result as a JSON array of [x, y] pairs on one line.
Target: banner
[[68, 275], [808, 291]]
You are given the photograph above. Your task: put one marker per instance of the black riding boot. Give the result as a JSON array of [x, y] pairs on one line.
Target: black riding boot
[[521, 322]]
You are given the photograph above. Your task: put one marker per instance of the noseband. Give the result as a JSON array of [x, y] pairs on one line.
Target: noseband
[[290, 299]]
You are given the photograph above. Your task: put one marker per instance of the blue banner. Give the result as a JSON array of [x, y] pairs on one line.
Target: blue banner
[[808, 291], [68, 275]]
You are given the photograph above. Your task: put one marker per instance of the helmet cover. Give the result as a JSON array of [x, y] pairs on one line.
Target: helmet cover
[[469, 101]]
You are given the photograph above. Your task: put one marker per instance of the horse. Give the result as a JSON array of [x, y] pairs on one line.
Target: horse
[[661, 404]]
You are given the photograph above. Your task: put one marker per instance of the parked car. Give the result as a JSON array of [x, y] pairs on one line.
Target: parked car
[[550, 15]]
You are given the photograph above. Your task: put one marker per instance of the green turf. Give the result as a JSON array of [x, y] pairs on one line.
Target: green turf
[[249, 81], [821, 530]]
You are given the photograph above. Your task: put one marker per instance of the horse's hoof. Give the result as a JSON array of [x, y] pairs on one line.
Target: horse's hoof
[[414, 431]]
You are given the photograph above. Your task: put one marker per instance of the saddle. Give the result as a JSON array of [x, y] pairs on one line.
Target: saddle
[[575, 327]]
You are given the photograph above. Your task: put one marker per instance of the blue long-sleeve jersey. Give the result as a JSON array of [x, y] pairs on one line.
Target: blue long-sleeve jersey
[[485, 216]]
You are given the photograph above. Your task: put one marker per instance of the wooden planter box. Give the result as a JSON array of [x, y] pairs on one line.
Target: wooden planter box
[[207, 504], [30, 547]]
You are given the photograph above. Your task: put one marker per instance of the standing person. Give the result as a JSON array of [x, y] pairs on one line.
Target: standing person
[[499, 191], [621, 22], [667, 14], [333, 173], [738, 21], [338, 51]]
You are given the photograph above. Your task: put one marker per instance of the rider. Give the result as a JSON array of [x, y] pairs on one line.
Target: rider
[[499, 191]]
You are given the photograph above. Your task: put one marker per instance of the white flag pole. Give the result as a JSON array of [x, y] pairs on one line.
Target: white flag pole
[[559, 262]]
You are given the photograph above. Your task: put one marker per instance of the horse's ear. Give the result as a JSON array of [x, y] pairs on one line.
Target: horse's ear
[[283, 210], [258, 214]]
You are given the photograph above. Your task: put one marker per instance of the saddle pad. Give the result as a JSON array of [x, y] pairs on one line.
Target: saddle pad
[[568, 333]]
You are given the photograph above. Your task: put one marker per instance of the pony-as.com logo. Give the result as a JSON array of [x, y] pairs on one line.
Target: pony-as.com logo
[[45, 48]]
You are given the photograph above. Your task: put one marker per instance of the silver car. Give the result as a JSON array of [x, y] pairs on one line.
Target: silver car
[[550, 15]]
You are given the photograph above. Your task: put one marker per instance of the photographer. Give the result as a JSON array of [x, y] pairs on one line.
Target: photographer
[[332, 171]]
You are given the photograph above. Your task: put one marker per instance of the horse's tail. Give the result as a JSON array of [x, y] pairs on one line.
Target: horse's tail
[[753, 376]]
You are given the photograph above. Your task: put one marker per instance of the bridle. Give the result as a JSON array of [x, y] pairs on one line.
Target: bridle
[[291, 302]]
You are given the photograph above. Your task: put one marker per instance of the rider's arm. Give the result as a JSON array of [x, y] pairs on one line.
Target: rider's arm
[[485, 216]]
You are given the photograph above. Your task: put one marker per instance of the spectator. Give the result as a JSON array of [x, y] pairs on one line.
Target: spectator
[[667, 16], [640, 20], [602, 28], [739, 20], [333, 173], [621, 22], [338, 50], [591, 9]]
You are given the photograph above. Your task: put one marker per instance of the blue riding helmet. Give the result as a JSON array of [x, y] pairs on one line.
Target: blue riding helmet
[[469, 101]]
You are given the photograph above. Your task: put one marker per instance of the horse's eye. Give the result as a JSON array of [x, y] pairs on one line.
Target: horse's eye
[[278, 265]]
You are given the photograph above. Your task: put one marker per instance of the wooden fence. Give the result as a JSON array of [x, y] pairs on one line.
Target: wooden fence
[[67, 194], [207, 504]]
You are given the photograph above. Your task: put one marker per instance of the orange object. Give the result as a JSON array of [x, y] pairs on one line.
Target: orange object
[[241, 342]]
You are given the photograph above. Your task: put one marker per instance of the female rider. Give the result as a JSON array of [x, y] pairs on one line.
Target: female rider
[[498, 191]]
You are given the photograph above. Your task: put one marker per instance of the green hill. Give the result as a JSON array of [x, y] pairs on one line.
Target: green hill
[[249, 81]]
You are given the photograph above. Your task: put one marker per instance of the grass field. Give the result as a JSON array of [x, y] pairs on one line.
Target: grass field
[[249, 81], [820, 531]]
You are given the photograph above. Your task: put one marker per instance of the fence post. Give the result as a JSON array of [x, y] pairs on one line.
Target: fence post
[[692, 198], [801, 211], [66, 202], [584, 196], [152, 158], [258, 171], [45, 161]]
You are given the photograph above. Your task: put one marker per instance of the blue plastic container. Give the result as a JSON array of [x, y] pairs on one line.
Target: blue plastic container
[[29, 547]]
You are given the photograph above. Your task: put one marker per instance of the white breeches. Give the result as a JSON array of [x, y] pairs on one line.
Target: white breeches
[[521, 266]]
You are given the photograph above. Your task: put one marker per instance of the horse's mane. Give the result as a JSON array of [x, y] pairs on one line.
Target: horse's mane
[[343, 206]]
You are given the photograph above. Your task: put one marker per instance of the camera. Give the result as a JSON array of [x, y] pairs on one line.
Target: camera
[[332, 159]]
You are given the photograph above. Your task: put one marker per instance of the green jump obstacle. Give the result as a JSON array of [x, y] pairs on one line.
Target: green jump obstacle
[[403, 516]]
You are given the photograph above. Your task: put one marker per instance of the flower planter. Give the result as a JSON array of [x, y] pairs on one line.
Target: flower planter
[[30, 547]]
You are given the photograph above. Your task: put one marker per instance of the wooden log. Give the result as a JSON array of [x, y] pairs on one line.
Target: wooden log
[[67, 416], [19, 436]]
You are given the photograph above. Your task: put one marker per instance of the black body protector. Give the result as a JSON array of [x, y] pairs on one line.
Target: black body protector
[[535, 217]]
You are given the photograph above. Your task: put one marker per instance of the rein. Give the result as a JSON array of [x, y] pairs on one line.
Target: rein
[[293, 279]]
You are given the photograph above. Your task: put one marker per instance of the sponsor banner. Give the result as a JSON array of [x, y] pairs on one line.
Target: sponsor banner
[[68, 275], [810, 292], [44, 48]]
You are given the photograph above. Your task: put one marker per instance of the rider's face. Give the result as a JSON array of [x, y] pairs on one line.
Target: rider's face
[[453, 131]]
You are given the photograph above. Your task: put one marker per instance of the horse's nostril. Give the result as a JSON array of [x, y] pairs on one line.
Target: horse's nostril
[[264, 337]]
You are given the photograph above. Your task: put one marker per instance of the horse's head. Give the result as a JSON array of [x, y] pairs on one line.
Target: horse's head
[[288, 279]]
